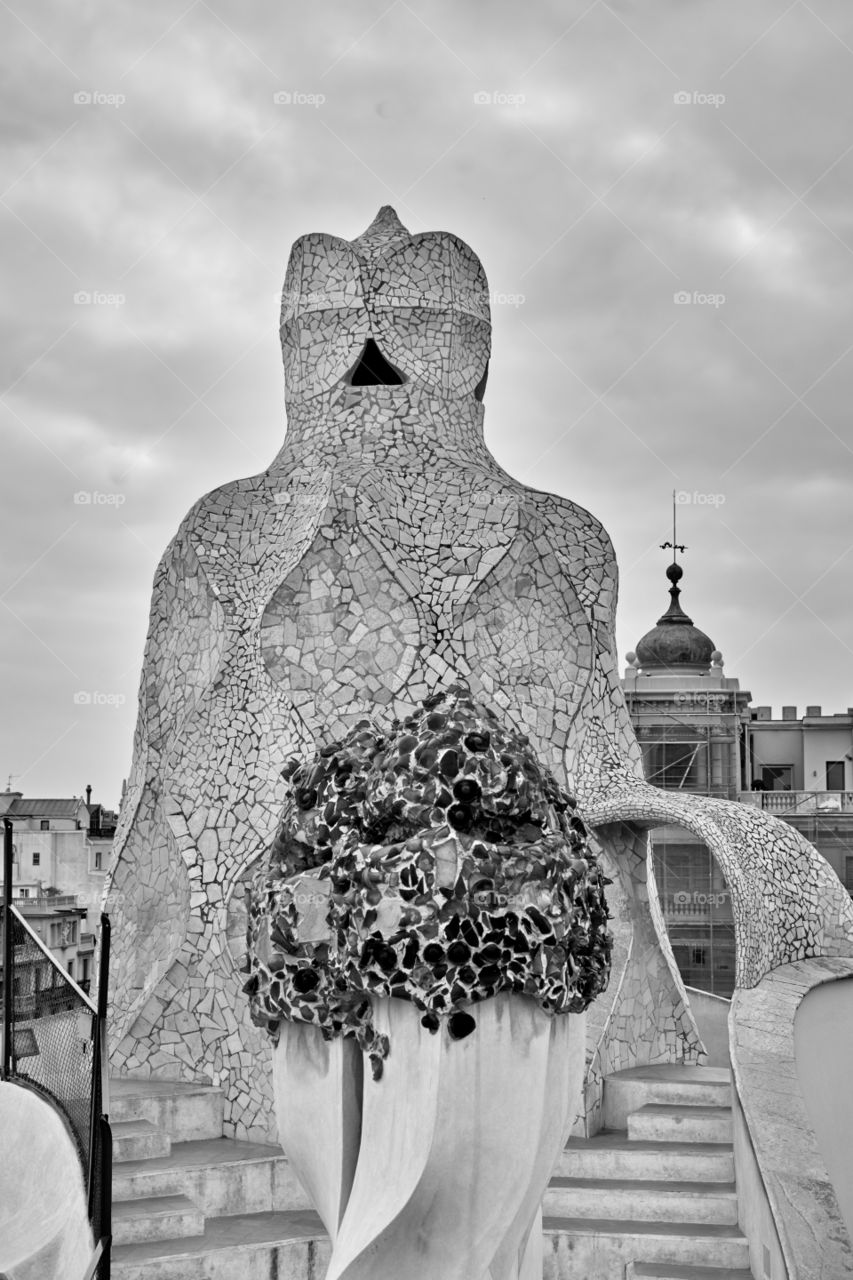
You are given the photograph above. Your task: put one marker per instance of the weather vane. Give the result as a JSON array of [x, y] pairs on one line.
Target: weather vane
[[676, 546]]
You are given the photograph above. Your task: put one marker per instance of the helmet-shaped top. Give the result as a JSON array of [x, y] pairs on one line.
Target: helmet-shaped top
[[422, 299]]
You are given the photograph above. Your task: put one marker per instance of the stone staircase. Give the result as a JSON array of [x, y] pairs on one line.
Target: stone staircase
[[189, 1204], [652, 1196]]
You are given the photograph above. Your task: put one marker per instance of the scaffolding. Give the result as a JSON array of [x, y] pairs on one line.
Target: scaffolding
[[693, 742]]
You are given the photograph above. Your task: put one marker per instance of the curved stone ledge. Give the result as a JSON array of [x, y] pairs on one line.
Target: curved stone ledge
[[814, 1240], [787, 902]]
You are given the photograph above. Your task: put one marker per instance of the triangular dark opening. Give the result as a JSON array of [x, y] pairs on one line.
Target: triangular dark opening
[[371, 369], [480, 389]]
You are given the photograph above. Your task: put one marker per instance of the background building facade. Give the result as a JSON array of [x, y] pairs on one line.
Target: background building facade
[[699, 733], [61, 853]]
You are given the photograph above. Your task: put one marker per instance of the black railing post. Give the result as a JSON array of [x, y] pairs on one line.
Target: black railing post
[[106, 1215], [103, 1000], [104, 969], [100, 1083], [8, 950]]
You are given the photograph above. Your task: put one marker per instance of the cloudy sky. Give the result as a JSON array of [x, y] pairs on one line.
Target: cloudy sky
[[602, 158]]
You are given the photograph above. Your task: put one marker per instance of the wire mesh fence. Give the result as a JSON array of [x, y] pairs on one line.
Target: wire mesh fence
[[54, 1041], [51, 1046]]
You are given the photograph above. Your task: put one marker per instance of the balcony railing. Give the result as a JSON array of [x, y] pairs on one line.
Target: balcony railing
[[48, 902], [689, 907], [790, 803]]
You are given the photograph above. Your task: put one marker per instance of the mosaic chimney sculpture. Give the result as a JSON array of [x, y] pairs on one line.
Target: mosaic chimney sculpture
[[382, 560], [430, 909]]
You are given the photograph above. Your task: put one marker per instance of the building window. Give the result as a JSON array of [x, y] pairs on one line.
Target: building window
[[698, 912], [97, 860], [45, 824], [23, 893], [70, 967], [835, 775], [777, 777], [36, 858], [63, 933]]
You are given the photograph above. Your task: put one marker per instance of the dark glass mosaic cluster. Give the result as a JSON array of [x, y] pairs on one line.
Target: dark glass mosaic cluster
[[437, 863]]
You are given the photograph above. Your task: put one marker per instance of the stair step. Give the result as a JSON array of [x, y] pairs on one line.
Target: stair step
[[138, 1140], [222, 1176], [670, 1084], [638, 1200], [660, 1123], [187, 1112], [598, 1249], [290, 1246], [614, 1155], [666, 1271], [155, 1218]]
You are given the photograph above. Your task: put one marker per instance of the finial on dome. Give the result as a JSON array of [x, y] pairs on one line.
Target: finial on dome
[[675, 613], [385, 229], [675, 644]]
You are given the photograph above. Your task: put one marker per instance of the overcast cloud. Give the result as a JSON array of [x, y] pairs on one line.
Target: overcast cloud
[[171, 189]]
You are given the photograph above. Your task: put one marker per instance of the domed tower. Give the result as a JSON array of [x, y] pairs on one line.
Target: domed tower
[[675, 645], [690, 722]]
